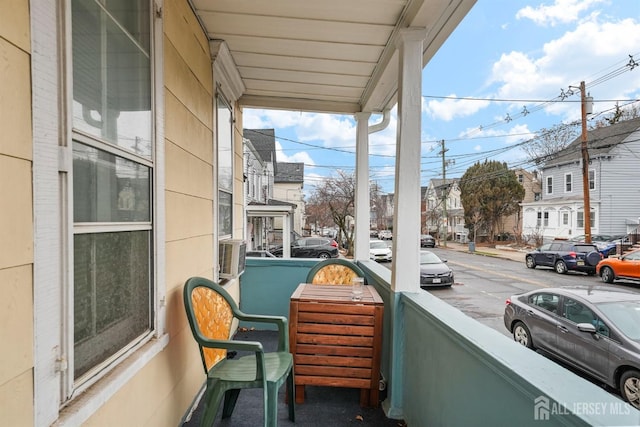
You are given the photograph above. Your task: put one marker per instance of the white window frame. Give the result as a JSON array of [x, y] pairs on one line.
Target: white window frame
[[221, 98], [580, 218], [548, 188], [53, 273], [568, 182], [592, 179]]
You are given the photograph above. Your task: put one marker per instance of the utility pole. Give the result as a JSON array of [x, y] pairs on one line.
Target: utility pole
[[445, 194], [585, 165]]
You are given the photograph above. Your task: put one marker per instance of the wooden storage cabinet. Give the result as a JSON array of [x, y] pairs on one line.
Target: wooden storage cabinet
[[336, 341]]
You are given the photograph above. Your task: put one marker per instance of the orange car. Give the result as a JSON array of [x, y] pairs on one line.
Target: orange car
[[626, 267]]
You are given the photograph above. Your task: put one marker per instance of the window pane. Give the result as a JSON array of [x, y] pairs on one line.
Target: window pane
[[225, 154], [111, 72], [224, 213], [112, 294], [108, 188]]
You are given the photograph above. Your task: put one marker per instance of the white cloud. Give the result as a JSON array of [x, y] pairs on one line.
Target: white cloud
[[331, 130], [297, 157], [266, 119], [560, 12], [450, 108], [568, 60]]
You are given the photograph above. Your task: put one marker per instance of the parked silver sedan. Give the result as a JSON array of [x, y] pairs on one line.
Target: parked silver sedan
[[595, 329]]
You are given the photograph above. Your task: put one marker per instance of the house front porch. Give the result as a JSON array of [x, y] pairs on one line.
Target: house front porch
[[439, 366]]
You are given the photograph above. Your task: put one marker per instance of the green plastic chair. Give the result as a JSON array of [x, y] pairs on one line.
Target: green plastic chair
[[211, 312], [334, 271]]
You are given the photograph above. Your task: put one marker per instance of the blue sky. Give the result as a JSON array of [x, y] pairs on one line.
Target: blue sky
[[486, 90]]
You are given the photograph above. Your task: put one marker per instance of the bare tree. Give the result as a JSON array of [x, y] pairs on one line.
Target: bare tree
[[620, 114], [548, 142], [337, 196], [317, 213]]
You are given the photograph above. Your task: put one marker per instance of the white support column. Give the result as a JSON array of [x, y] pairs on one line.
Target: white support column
[[405, 275], [286, 236], [362, 208]]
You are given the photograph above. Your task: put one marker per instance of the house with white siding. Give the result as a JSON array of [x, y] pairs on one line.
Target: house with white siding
[[443, 205], [614, 156]]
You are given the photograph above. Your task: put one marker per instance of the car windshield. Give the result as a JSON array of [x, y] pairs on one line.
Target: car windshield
[[429, 258], [378, 245], [625, 315]]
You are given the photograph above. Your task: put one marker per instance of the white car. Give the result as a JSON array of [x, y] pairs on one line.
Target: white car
[[385, 235], [379, 251]]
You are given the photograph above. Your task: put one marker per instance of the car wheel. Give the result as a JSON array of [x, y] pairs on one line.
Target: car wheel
[[561, 267], [531, 263], [607, 275], [630, 387], [324, 255], [522, 335], [593, 258]]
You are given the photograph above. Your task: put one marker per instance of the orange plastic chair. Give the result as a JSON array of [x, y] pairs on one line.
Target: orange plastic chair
[[336, 271]]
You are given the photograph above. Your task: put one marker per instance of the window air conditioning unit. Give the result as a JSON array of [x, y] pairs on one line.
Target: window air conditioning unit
[[231, 258]]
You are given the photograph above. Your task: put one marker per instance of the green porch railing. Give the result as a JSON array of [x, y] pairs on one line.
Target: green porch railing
[[442, 368]]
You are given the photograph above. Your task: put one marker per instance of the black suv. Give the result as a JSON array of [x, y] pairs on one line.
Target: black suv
[[565, 256], [311, 247]]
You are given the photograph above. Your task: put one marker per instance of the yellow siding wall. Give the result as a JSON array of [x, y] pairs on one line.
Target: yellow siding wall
[[163, 391], [16, 217]]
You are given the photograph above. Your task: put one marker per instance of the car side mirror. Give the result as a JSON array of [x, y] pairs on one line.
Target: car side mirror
[[444, 260], [587, 327]]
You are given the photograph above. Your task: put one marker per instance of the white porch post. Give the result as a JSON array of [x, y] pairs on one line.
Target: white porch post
[[405, 275], [286, 236], [362, 209]]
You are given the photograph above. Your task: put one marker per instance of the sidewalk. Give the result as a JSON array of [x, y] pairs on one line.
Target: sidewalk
[[500, 251]]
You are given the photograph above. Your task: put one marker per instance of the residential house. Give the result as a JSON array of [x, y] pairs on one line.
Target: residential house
[[281, 202], [613, 164], [512, 224], [121, 171], [266, 214], [443, 208], [258, 192], [288, 183]]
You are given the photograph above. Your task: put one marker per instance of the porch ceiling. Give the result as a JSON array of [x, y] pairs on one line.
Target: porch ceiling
[[334, 56]]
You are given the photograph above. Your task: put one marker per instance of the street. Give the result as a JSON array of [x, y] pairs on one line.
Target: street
[[482, 284]]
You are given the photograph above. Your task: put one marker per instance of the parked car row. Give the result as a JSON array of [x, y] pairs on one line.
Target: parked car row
[[565, 256]]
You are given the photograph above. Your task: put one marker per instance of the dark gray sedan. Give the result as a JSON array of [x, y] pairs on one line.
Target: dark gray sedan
[[434, 271], [595, 329]]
